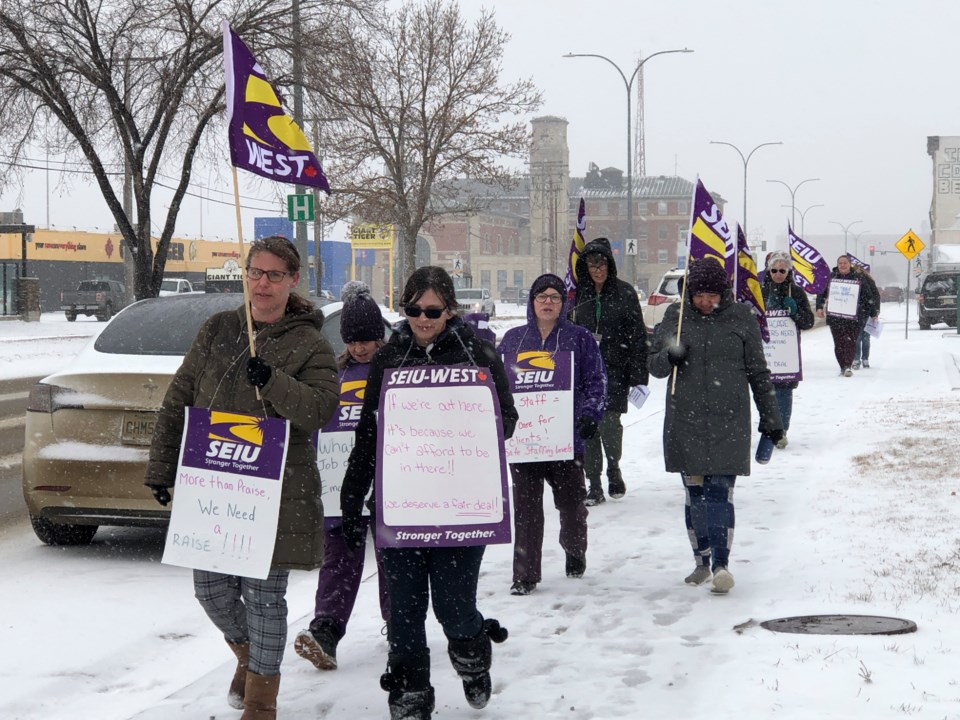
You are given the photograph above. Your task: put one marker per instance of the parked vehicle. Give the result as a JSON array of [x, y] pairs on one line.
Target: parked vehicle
[[937, 300], [174, 286], [514, 295], [102, 298], [667, 292], [892, 293], [89, 427], [470, 300]]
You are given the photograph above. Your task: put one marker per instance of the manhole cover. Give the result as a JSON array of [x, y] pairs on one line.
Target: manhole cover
[[841, 625]]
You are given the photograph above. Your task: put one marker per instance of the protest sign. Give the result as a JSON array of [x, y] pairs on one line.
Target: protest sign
[[783, 349], [842, 301], [441, 469], [542, 385], [874, 327], [227, 496], [334, 442], [637, 395]]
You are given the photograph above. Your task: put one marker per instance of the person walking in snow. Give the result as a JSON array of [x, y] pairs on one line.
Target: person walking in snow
[[608, 307], [548, 331], [846, 328], [780, 292], [718, 361], [362, 331], [431, 334], [296, 378], [861, 353]]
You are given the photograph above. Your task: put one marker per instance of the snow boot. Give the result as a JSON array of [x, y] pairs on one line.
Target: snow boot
[[594, 494], [260, 697], [615, 485], [522, 587], [866, 364], [407, 681], [722, 581], [576, 566], [856, 364], [235, 694], [700, 574], [471, 659], [318, 644]]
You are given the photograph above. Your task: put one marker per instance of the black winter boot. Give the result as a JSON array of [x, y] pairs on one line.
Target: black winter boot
[[408, 681], [471, 659], [319, 643], [616, 487]]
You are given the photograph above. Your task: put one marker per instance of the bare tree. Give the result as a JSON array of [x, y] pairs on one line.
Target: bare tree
[[131, 86], [420, 105]]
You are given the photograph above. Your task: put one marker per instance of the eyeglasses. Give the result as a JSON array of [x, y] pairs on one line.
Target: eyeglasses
[[431, 313], [596, 264], [543, 298], [273, 276], [779, 271]]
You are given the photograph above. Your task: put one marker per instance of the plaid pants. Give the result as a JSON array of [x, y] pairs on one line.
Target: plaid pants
[[247, 609]]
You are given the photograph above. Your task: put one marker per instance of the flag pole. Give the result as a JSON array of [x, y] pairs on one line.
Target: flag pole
[[683, 298], [243, 266]]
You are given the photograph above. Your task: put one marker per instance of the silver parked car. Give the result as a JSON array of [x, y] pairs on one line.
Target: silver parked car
[[471, 300]]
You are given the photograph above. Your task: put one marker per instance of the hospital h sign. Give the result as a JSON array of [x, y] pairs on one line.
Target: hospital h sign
[[300, 208]]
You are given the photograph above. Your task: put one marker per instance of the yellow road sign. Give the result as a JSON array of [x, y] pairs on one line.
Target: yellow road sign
[[909, 245]]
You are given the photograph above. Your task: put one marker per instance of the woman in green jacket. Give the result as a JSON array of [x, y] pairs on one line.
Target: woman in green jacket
[[296, 377]]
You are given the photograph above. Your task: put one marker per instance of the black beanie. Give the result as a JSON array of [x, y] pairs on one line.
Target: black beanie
[[547, 280], [360, 319], [707, 276]]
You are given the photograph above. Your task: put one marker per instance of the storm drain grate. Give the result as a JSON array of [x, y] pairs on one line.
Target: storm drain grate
[[841, 625]]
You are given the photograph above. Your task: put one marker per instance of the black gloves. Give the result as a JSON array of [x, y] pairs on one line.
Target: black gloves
[[775, 435], [353, 532], [258, 372], [161, 493], [586, 428], [677, 354]]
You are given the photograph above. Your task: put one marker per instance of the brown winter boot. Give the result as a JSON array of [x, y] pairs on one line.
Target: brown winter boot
[[235, 694], [260, 697]]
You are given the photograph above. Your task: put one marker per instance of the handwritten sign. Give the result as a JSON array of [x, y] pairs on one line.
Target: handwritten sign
[[844, 295], [441, 469], [335, 440], [227, 499], [542, 384], [783, 350]]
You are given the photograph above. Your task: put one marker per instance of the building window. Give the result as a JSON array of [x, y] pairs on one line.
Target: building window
[[516, 244], [662, 207], [662, 232], [681, 233], [518, 278], [682, 207], [642, 208], [642, 255], [602, 208], [487, 248], [501, 250], [485, 279], [501, 280], [662, 257]]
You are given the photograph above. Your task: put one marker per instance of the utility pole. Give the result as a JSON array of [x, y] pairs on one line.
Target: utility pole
[[303, 287]]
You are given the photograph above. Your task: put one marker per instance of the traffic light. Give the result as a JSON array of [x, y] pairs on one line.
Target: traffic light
[[872, 248]]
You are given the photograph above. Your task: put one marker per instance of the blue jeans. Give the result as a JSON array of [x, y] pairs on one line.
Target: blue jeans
[[784, 395], [447, 576], [863, 347], [709, 517]]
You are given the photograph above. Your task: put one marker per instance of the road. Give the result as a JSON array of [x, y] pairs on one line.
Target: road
[[13, 406]]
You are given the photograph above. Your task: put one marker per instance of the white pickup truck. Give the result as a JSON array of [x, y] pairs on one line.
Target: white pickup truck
[[174, 286]]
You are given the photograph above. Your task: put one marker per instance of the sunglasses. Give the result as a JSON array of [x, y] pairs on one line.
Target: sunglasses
[[431, 313], [779, 271]]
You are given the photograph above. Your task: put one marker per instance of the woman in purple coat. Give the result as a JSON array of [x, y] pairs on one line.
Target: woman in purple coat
[[547, 330]]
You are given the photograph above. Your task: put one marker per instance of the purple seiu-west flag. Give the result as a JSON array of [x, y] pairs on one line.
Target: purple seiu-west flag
[[710, 235], [748, 286], [857, 262], [576, 247], [810, 271], [263, 139]]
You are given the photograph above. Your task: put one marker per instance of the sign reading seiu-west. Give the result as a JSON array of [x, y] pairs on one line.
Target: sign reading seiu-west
[[300, 208]]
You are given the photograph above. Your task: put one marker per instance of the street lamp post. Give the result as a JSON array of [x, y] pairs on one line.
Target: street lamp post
[[846, 229], [803, 215], [856, 241], [793, 192], [628, 85], [746, 161]]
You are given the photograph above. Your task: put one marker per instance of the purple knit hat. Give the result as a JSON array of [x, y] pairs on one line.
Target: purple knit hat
[[707, 276]]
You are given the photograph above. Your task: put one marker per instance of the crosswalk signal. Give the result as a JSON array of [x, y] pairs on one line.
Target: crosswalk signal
[[872, 248]]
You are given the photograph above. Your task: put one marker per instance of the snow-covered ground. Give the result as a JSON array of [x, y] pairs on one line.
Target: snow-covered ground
[[858, 515]]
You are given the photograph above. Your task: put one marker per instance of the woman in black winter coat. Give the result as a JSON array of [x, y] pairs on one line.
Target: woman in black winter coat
[[432, 334], [780, 292]]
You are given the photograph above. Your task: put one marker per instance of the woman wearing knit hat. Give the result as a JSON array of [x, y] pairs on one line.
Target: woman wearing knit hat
[[719, 361], [362, 331], [548, 331]]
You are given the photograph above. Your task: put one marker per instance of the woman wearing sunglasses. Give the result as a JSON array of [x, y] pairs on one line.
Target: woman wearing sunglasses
[[431, 334], [780, 292]]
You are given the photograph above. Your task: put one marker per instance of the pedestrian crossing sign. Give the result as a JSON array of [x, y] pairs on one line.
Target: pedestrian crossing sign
[[910, 245]]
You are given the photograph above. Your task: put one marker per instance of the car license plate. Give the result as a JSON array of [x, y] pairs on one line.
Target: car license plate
[[948, 301], [138, 428]]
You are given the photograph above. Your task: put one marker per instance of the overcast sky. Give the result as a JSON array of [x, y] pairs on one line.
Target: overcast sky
[[852, 90]]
